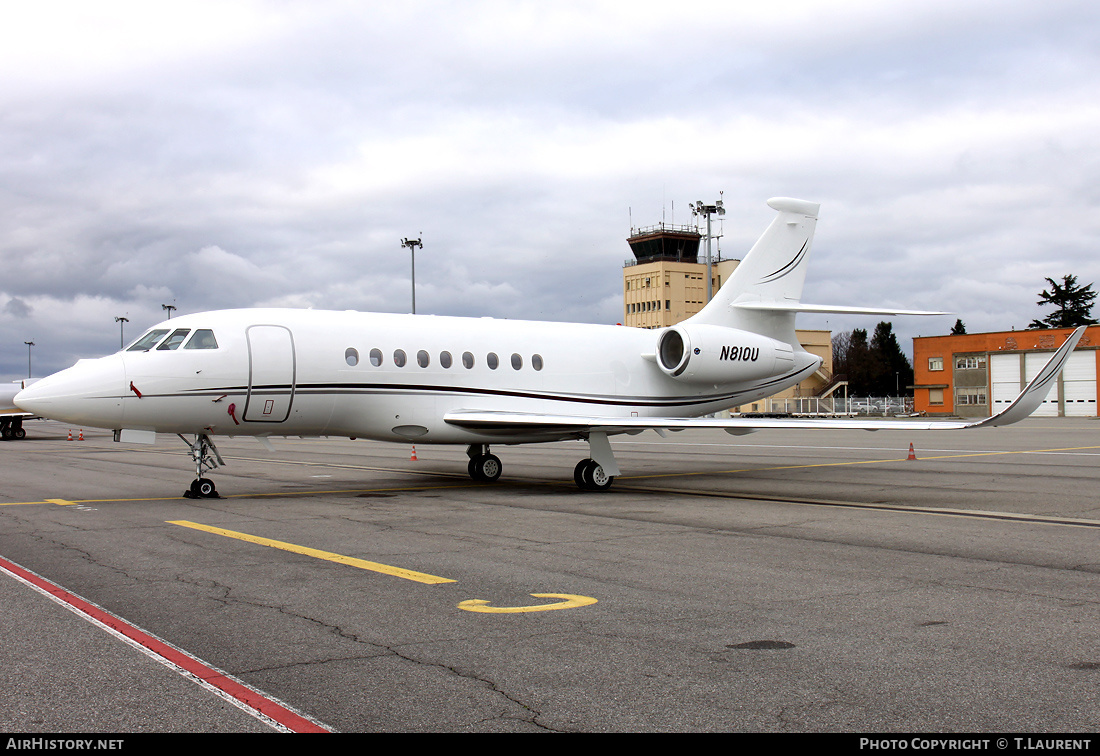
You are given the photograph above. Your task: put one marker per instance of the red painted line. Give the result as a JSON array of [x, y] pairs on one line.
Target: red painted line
[[255, 700]]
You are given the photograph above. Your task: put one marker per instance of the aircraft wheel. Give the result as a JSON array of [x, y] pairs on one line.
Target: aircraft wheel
[[486, 468], [5, 432], [204, 488], [592, 476], [20, 434]]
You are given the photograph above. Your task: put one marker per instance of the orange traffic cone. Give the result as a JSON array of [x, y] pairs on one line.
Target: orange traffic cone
[[413, 458], [70, 434], [912, 454], [81, 438]]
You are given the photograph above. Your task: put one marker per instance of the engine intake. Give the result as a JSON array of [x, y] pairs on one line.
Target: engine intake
[[715, 354]]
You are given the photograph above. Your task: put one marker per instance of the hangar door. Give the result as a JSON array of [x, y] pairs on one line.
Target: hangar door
[[1004, 379], [1076, 390], [1079, 381], [271, 371]]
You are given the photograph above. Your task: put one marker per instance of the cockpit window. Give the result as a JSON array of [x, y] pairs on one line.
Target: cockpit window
[[148, 341], [202, 339], [173, 341]]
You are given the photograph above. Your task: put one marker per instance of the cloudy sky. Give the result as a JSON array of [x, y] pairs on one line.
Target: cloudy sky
[[226, 154]]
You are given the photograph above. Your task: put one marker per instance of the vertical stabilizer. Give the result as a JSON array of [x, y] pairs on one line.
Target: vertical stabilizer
[[771, 273]]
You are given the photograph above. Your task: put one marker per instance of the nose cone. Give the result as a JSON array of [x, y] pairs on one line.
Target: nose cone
[[89, 394]]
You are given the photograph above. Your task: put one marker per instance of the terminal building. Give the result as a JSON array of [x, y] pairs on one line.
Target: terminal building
[[665, 283], [978, 375]]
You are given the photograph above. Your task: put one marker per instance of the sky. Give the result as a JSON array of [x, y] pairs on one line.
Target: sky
[[209, 155]]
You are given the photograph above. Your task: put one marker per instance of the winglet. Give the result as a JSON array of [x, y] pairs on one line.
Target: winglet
[[1031, 397]]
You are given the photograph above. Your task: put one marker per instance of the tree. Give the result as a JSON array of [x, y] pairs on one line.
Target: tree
[[959, 328], [1073, 304], [875, 367], [892, 371]]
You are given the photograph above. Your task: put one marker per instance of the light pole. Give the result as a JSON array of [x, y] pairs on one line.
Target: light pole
[[412, 244], [708, 210], [169, 308], [121, 331], [29, 345]]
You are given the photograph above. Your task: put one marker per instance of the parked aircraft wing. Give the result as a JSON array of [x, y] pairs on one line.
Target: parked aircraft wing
[[510, 423]]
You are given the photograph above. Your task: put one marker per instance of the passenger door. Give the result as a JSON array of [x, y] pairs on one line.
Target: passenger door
[[271, 373]]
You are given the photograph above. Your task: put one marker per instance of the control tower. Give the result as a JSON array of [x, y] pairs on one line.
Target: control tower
[[665, 282]]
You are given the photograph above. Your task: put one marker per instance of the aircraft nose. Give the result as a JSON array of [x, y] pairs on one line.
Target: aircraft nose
[[88, 394]]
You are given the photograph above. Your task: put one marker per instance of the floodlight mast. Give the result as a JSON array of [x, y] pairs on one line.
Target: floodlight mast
[[169, 308], [709, 211], [29, 345], [122, 321], [412, 244]]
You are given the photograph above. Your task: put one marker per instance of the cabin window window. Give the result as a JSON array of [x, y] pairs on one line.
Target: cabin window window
[[399, 357], [203, 338], [467, 360], [148, 341], [173, 341], [422, 358], [376, 357], [445, 359], [351, 356], [536, 361], [517, 362], [492, 360]]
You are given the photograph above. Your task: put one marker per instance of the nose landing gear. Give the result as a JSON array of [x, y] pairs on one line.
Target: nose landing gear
[[206, 458]]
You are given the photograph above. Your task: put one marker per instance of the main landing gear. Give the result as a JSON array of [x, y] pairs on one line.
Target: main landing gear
[[12, 430], [484, 467], [206, 458], [593, 474]]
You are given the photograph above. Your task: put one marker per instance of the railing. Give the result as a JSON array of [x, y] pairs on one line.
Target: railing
[[875, 406]]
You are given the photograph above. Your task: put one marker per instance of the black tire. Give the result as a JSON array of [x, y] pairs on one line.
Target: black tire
[[578, 474], [204, 487], [20, 434], [593, 477]]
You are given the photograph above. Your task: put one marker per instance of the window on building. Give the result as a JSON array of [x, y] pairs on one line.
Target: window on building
[[970, 395], [935, 396], [970, 362], [935, 363]]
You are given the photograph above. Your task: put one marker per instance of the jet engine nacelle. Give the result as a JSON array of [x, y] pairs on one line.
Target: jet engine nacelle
[[715, 354]]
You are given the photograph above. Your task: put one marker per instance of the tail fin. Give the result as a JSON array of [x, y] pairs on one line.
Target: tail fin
[[760, 293]]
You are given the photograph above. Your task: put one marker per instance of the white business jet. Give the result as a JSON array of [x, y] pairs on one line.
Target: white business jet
[[473, 381]]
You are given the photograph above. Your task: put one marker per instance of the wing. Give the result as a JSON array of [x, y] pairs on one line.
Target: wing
[[580, 426]]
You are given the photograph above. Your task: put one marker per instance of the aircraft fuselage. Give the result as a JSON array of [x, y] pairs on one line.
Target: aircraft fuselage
[[394, 377]]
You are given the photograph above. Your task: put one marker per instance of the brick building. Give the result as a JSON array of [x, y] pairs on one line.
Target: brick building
[[979, 374]]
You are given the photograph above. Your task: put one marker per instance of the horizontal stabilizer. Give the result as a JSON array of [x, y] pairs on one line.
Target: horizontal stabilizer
[[791, 306]]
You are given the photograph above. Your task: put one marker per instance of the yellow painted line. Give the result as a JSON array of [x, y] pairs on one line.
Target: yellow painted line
[[362, 564], [62, 502], [570, 602]]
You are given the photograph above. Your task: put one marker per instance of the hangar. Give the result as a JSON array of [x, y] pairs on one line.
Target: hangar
[[979, 374]]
